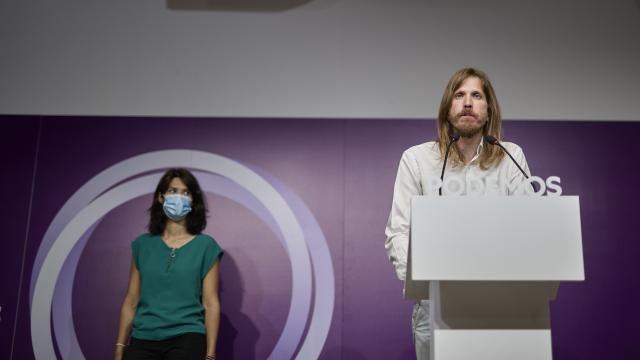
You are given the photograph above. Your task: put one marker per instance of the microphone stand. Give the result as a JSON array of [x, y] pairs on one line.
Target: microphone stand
[[455, 137]]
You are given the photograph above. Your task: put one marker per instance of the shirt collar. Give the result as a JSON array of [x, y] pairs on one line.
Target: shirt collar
[[480, 146], [478, 151]]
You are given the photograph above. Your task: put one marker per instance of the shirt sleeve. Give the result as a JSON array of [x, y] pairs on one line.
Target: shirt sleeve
[[212, 253], [406, 186], [135, 252]]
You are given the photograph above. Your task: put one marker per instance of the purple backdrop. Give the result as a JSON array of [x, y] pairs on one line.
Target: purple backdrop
[[343, 171]]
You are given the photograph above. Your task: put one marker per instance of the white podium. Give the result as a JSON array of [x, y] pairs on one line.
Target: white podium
[[490, 265]]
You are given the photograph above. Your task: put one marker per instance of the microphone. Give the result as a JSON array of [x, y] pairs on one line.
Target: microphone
[[493, 141], [454, 137]]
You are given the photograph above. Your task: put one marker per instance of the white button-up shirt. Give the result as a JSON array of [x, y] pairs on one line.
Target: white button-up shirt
[[418, 174]]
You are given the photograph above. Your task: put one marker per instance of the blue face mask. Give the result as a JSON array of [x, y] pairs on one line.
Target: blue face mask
[[176, 207]]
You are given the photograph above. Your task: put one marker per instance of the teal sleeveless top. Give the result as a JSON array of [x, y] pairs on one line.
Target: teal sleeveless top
[[170, 301]]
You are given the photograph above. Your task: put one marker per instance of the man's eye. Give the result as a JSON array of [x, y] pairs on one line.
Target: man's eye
[[458, 95], [477, 96]]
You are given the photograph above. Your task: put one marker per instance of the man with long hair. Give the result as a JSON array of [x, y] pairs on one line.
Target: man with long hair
[[469, 109]]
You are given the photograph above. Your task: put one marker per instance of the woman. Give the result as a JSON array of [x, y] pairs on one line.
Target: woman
[[172, 309]]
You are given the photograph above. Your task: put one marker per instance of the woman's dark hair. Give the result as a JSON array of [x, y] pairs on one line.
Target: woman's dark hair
[[196, 220]]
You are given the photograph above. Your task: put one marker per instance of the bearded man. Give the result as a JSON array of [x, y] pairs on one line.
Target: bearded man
[[468, 112]]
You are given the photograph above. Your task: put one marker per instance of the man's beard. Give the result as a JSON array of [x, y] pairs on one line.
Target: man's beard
[[466, 132]]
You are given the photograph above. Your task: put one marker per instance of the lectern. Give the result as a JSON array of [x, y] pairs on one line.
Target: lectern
[[490, 265]]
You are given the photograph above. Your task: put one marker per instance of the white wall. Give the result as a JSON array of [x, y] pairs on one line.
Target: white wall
[[572, 59]]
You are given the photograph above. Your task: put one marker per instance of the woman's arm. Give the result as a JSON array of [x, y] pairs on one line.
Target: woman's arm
[[128, 310], [211, 303]]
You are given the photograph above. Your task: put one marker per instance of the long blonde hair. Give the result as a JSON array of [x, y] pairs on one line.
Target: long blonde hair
[[490, 155]]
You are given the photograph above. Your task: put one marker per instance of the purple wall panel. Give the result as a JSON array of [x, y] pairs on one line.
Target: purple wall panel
[[374, 311], [596, 319], [343, 171], [74, 150], [18, 147]]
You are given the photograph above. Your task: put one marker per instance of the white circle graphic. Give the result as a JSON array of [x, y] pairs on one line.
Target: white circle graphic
[[99, 196]]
